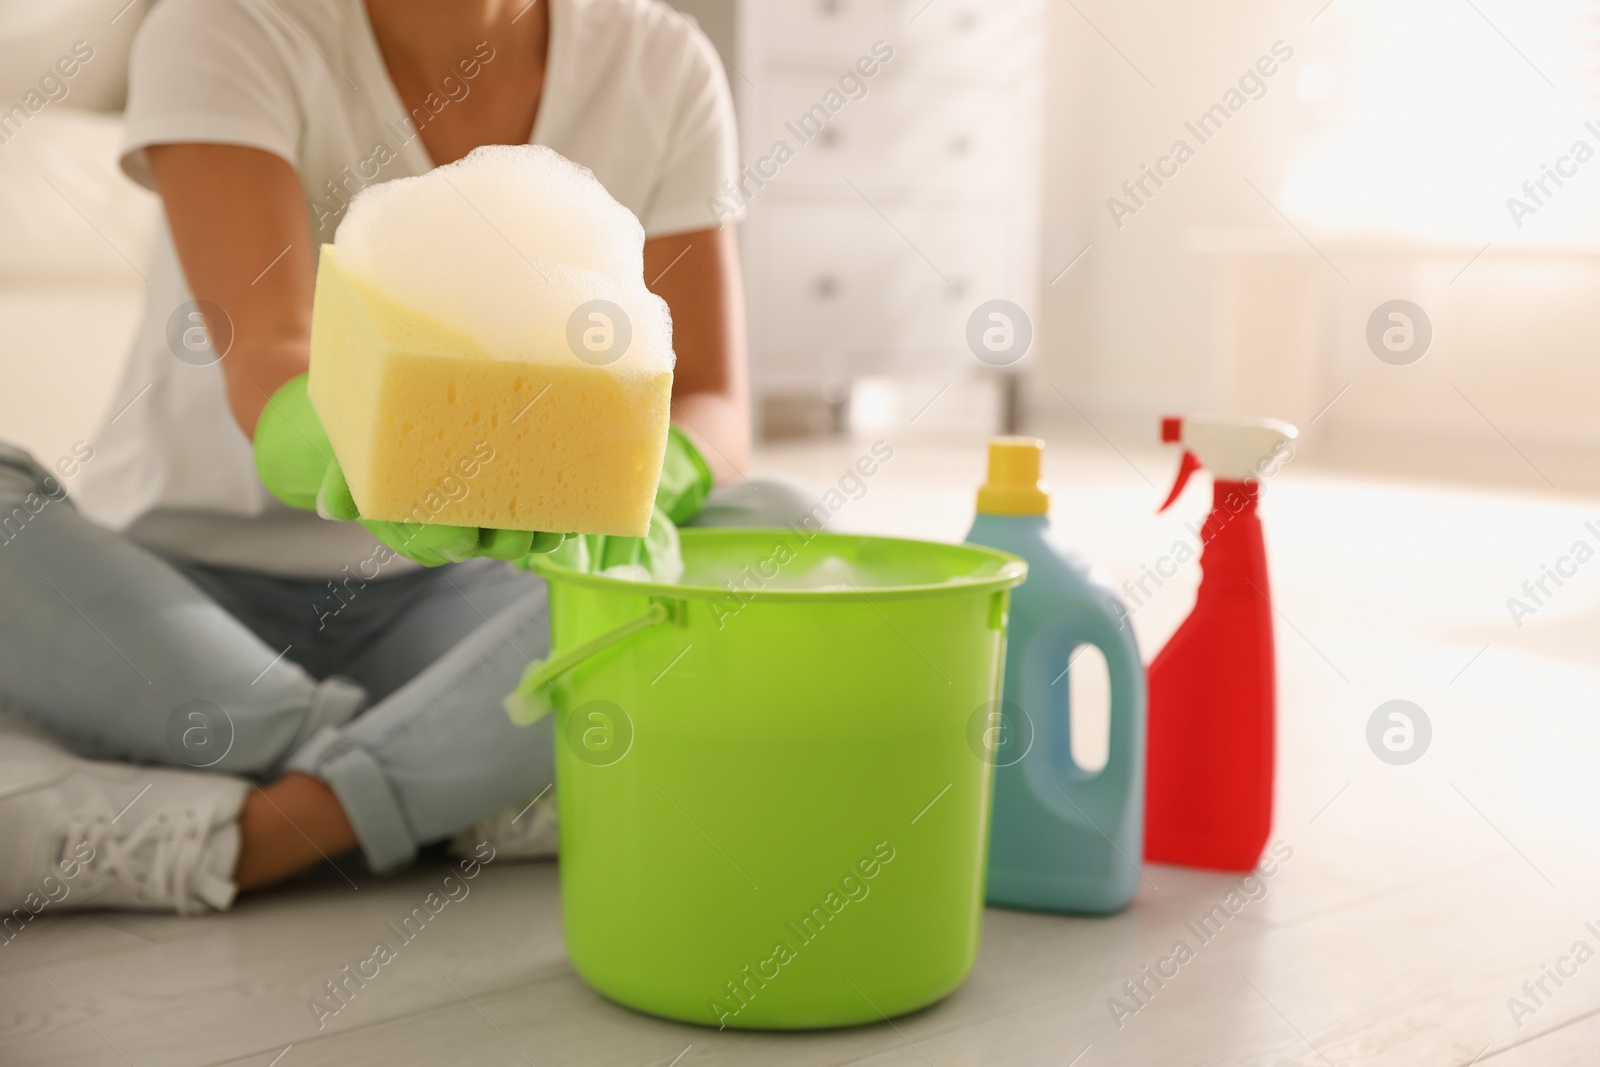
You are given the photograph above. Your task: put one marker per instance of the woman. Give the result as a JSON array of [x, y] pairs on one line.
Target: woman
[[218, 629]]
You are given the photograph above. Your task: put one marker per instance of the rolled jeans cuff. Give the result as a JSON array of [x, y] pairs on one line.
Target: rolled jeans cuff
[[335, 701], [371, 806]]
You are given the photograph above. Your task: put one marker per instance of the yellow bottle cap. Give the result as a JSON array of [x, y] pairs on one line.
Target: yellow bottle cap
[[1014, 487]]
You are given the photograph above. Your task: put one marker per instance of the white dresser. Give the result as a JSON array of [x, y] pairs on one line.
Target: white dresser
[[911, 196]]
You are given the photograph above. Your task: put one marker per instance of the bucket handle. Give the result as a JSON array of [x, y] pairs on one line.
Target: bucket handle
[[530, 700]]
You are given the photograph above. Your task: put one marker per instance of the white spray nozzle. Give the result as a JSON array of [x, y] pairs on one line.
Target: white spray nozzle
[[1232, 448]]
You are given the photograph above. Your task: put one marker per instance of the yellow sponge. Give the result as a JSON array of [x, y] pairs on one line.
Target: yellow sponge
[[430, 427]]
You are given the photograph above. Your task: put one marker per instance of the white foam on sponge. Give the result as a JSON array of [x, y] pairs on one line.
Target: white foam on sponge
[[504, 246]]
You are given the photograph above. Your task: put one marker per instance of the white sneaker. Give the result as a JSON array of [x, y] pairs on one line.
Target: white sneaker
[[525, 832], [78, 834]]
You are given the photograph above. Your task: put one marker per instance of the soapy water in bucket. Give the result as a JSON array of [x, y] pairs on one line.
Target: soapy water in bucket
[[825, 574], [759, 561], [828, 573]]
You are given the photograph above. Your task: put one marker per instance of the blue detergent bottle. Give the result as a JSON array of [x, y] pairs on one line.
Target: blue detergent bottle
[[1061, 838]]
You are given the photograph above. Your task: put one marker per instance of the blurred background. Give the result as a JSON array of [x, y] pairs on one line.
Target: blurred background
[[1026, 151]]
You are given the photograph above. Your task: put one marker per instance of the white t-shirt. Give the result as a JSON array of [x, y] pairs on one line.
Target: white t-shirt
[[633, 91]]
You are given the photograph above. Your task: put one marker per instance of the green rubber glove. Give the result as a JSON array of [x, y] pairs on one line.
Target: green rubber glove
[[297, 464], [657, 552], [685, 479]]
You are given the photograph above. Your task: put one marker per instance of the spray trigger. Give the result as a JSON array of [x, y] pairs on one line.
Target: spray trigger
[[1189, 465]]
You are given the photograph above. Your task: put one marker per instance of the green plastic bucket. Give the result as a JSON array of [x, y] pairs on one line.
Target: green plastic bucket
[[773, 808]]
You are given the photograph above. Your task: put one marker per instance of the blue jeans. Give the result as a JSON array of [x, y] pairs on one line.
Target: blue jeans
[[387, 688]]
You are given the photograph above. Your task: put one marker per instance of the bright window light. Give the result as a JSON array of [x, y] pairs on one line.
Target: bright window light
[[1428, 116]]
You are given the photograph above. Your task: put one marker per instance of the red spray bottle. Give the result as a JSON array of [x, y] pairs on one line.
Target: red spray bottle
[[1212, 701]]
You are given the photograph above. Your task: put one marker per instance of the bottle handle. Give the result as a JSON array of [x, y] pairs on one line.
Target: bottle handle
[[1107, 630]]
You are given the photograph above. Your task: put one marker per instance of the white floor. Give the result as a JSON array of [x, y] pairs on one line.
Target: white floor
[[1417, 900]]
